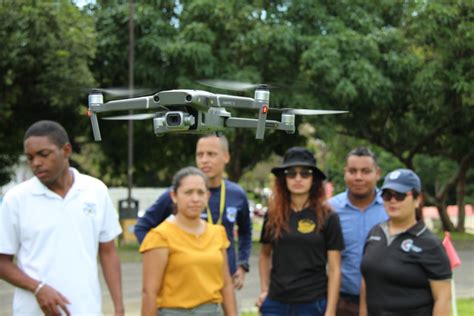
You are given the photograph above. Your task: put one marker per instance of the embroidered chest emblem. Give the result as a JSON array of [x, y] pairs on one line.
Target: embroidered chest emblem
[[306, 226], [90, 209], [231, 213], [407, 245]]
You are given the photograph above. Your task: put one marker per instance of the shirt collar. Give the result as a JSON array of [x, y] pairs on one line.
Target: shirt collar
[[40, 189], [417, 229], [378, 199]]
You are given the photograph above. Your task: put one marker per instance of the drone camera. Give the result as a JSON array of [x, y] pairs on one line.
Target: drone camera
[[173, 121], [176, 120]]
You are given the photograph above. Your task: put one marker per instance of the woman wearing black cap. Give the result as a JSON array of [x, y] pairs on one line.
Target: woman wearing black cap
[[405, 268], [300, 237]]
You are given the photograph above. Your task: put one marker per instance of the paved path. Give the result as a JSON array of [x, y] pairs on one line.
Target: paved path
[[132, 277]]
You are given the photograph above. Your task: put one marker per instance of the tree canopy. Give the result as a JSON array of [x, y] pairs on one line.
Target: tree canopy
[[44, 61], [403, 70]]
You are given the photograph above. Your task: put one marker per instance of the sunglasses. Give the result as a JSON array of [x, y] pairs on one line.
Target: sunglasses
[[304, 173], [387, 195]]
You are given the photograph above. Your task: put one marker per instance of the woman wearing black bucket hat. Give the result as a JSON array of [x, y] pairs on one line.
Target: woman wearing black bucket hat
[[300, 237], [405, 268]]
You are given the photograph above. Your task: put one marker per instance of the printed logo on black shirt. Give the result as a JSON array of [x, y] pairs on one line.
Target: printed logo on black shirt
[[306, 226]]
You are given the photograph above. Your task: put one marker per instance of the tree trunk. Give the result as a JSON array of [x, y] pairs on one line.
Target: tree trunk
[[461, 203], [443, 216], [235, 166]]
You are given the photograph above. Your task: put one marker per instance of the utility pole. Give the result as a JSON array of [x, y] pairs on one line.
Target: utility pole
[[131, 60]]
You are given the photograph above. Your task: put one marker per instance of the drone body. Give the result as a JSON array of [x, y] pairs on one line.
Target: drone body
[[198, 112]]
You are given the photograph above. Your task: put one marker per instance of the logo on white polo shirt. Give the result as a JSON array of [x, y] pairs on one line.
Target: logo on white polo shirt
[[407, 245], [90, 209]]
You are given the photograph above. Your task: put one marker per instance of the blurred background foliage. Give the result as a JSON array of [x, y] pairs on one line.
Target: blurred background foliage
[[404, 70]]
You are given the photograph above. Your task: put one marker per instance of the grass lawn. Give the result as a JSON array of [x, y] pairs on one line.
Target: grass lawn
[[457, 236], [465, 308], [129, 253], [461, 241]]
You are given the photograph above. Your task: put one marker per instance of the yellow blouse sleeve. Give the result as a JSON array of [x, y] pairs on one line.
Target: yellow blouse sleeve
[[225, 240], [154, 239]]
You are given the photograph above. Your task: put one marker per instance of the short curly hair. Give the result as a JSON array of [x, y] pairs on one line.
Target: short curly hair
[[51, 129]]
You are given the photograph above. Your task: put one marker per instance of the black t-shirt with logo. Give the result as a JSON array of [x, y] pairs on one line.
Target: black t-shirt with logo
[[397, 270], [299, 258]]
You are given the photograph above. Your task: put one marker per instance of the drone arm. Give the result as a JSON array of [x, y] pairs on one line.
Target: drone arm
[[97, 105], [95, 127], [141, 103], [262, 99], [236, 102], [253, 123]]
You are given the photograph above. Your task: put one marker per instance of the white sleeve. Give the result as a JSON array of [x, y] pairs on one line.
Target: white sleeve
[[9, 227], [110, 225]]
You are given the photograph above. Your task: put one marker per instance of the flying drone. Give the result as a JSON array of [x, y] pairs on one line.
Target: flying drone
[[200, 112]]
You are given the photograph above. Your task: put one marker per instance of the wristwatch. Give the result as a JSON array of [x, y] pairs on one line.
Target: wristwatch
[[245, 266]]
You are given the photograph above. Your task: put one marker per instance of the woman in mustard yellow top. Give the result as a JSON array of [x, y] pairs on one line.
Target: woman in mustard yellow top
[[184, 258]]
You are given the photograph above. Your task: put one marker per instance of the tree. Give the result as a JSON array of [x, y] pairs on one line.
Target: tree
[[156, 159], [174, 48], [403, 72], [44, 59]]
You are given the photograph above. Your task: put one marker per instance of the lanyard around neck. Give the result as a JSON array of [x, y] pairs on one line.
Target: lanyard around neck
[[221, 206]]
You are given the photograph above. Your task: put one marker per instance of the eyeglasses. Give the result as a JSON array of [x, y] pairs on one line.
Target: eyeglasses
[[387, 195], [304, 173]]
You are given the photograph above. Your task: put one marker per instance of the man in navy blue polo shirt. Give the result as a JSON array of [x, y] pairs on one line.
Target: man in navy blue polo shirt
[[360, 208], [228, 205]]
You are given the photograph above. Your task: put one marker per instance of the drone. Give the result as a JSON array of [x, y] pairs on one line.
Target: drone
[[183, 111]]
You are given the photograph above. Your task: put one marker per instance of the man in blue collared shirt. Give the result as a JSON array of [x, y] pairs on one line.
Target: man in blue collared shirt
[[360, 208]]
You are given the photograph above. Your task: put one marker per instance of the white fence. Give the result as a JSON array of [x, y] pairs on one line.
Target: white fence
[[145, 196]]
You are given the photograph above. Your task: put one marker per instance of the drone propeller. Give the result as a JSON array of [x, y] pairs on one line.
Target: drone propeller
[[133, 117], [231, 85], [306, 111]]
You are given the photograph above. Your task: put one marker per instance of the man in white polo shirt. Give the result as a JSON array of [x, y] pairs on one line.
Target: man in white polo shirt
[[56, 224]]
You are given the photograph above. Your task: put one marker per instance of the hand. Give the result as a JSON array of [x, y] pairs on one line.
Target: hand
[[238, 278], [261, 298], [52, 302]]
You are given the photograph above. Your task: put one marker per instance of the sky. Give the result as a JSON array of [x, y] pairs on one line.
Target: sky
[[81, 3]]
